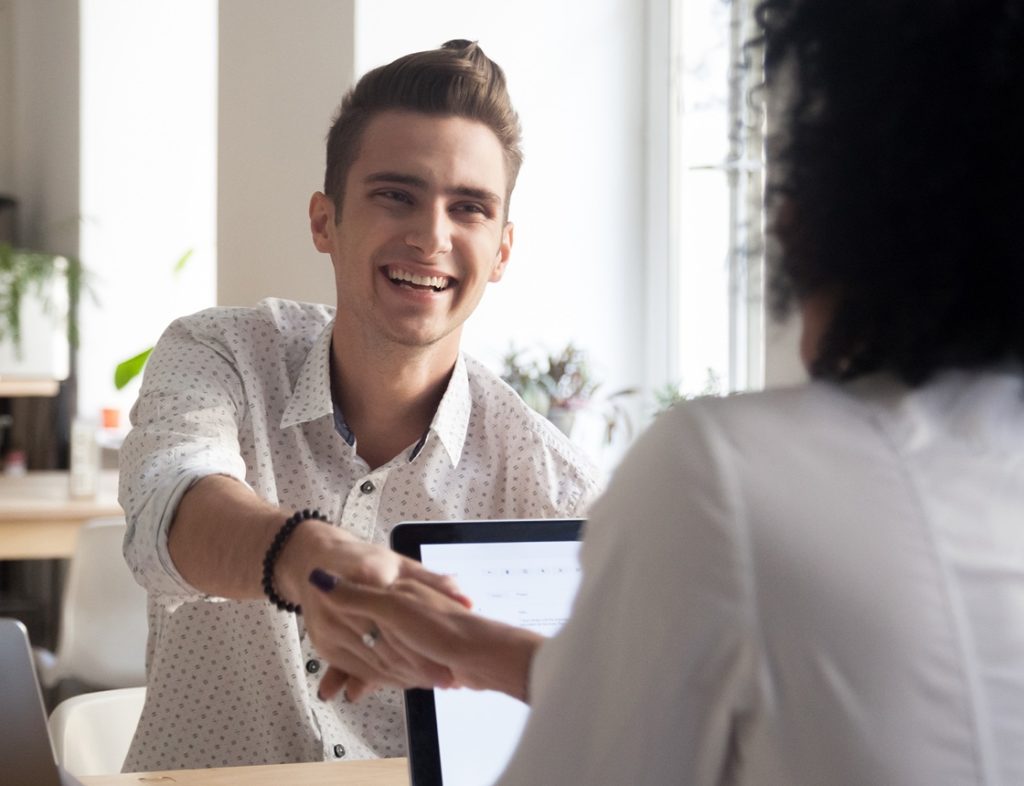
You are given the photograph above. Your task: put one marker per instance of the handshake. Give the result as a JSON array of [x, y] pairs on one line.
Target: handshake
[[417, 632]]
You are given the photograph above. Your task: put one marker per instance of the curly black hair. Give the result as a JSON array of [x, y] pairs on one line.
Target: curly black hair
[[899, 179]]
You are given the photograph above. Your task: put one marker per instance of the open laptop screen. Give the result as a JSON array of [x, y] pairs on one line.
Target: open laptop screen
[[524, 573]]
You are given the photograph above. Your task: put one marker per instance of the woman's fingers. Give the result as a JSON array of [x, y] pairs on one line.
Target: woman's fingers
[[345, 634], [443, 584]]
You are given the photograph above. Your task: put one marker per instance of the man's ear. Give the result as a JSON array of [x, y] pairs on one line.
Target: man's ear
[[321, 221], [503, 253]]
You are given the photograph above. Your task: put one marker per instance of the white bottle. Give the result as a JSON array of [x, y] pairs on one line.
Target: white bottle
[[85, 459]]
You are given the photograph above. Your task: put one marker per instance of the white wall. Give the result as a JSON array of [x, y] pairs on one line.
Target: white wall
[[6, 96], [576, 74], [283, 69], [107, 140], [148, 178], [38, 160], [43, 146]]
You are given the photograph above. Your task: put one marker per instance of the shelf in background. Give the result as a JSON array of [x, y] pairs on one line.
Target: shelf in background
[[15, 386]]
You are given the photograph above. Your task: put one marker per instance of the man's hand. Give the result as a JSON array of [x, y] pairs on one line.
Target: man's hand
[[420, 620]]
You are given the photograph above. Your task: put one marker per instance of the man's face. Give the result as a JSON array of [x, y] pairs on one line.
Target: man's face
[[421, 230]]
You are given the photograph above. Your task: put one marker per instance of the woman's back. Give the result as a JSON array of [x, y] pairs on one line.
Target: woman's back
[[816, 585], [889, 579]]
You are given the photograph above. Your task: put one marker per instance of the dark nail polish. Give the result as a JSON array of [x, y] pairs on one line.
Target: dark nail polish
[[323, 580]]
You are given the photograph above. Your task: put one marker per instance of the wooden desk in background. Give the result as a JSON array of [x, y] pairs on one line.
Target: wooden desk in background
[[38, 518], [378, 772]]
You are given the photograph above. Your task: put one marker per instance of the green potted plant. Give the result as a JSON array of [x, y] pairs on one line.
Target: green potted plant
[[560, 384], [671, 393], [25, 273]]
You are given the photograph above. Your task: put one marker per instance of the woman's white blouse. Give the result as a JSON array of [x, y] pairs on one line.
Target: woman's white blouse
[[819, 585]]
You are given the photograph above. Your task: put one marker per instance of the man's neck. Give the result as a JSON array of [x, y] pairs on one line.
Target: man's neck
[[389, 397]]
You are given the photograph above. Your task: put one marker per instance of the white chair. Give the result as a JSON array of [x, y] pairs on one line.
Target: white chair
[[91, 732], [103, 620]]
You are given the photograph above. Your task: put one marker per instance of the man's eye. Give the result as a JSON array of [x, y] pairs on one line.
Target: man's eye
[[471, 207], [395, 196]]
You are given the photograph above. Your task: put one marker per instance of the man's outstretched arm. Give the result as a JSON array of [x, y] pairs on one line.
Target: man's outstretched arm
[[219, 538]]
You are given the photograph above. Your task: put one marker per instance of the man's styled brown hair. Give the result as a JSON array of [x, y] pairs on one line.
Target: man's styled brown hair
[[456, 80]]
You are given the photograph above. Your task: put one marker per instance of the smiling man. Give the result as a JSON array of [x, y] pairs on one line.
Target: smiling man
[[274, 440]]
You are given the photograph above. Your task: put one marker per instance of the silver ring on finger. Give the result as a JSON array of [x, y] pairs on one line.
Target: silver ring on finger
[[371, 637]]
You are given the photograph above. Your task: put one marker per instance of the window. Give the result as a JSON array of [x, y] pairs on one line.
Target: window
[[716, 194]]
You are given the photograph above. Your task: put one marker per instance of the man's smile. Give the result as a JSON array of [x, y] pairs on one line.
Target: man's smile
[[415, 281]]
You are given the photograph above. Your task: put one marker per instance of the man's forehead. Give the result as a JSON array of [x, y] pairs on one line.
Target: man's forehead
[[424, 150]]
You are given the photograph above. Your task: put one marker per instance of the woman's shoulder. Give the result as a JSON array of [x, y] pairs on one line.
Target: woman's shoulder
[[791, 409]]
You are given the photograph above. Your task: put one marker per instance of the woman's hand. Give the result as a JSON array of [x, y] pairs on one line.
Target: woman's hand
[[419, 628], [341, 634]]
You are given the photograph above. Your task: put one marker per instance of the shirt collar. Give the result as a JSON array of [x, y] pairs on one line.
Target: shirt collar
[[311, 398], [311, 393], [451, 421]]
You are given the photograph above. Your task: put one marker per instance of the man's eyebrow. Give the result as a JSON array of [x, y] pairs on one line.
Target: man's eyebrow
[[396, 177], [401, 178], [479, 194]]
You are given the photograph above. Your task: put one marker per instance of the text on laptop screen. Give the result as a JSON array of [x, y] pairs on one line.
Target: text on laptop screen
[[530, 585]]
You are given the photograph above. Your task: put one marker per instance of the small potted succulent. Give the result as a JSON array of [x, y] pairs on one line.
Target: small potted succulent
[[671, 393], [558, 385]]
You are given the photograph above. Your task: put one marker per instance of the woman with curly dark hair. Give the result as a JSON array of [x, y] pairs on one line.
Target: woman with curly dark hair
[[822, 584]]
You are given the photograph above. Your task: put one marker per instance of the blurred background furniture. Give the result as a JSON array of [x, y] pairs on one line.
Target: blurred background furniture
[[357, 772], [39, 524], [101, 640], [37, 402], [40, 520], [91, 733]]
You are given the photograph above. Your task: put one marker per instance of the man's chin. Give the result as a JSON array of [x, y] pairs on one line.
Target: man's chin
[[423, 337]]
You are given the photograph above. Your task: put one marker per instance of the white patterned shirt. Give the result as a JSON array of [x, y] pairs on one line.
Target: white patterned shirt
[[246, 392]]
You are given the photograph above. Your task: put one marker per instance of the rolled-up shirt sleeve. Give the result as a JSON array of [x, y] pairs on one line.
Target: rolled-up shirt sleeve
[[185, 426]]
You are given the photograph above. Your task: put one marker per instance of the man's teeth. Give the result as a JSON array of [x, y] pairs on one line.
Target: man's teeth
[[436, 282]]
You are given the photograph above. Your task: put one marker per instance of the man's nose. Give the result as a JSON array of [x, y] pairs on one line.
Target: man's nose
[[430, 231]]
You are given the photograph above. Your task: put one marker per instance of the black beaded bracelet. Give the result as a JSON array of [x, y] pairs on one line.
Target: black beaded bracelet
[[275, 551]]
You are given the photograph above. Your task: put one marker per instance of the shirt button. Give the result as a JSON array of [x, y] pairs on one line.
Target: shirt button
[[339, 751], [312, 666], [367, 487]]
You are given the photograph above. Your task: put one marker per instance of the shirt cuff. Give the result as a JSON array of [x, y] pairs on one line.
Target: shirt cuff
[[146, 547]]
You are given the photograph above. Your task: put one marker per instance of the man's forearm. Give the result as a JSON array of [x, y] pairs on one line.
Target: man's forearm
[[220, 535]]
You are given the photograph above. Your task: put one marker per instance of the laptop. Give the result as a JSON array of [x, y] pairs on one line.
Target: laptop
[[523, 572], [26, 753]]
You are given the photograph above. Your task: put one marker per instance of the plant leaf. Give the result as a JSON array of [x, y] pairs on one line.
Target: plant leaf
[[182, 261], [128, 369]]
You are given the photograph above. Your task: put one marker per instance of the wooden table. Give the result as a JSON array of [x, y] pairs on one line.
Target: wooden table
[[38, 518], [376, 772]]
